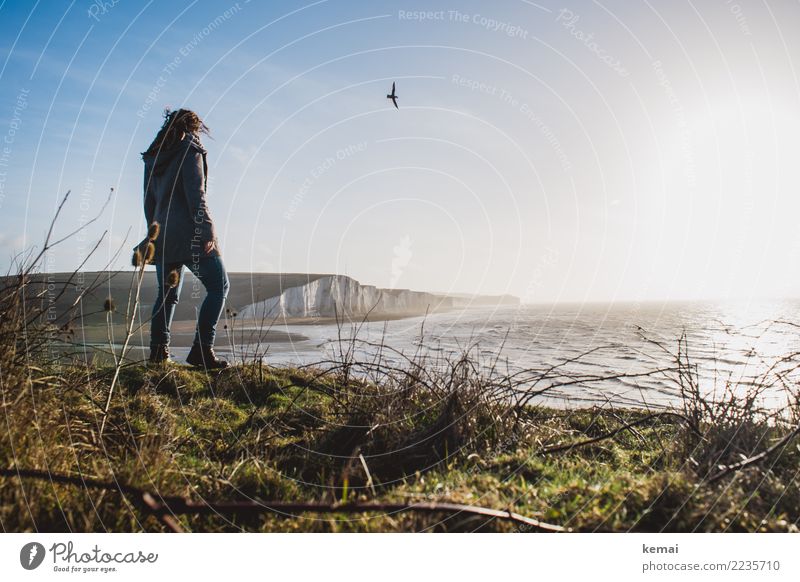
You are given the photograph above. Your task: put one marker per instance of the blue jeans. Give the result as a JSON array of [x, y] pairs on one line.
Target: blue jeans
[[211, 273]]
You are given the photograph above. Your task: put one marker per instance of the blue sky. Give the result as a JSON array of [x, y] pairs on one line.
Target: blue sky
[[564, 151]]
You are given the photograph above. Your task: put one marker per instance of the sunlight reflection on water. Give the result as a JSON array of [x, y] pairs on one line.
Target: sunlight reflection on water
[[728, 342]]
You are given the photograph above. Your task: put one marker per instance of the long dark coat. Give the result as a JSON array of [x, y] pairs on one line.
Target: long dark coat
[[175, 182]]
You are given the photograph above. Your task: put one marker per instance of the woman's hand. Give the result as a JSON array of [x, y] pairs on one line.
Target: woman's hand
[[210, 246]]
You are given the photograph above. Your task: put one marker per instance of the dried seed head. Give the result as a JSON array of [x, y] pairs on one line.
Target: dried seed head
[[173, 278], [136, 259], [152, 232], [109, 305], [151, 253]]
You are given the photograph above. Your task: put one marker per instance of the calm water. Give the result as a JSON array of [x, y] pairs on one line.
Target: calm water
[[736, 342]]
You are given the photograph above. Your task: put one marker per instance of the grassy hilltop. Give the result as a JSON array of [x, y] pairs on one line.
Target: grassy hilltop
[[95, 286], [256, 432]]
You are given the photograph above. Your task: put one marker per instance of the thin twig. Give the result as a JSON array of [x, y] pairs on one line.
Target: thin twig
[[728, 469], [169, 507]]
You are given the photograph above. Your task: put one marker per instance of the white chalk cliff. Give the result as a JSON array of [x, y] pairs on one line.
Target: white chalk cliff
[[338, 294]]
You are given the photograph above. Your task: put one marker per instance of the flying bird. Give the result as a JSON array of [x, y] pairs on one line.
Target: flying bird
[[393, 97]]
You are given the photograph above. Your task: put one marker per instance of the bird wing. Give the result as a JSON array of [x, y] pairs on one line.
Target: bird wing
[[392, 89]]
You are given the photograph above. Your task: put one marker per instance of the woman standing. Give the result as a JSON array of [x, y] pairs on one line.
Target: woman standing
[[175, 181]]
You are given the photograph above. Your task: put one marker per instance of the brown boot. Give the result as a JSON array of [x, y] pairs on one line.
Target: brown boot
[[159, 354], [204, 357]]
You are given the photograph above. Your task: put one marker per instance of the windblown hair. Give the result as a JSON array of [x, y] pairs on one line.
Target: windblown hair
[[175, 124]]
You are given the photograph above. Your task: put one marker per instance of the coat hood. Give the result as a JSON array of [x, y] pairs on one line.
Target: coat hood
[[161, 159]]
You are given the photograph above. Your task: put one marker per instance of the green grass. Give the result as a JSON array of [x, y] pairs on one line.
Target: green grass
[[295, 435]]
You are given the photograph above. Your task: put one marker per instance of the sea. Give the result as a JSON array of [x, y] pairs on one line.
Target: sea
[[623, 354]]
